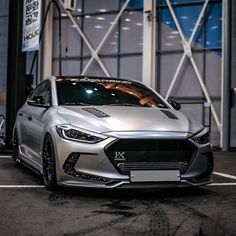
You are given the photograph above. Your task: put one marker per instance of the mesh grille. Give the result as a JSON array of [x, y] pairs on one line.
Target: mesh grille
[[126, 154]]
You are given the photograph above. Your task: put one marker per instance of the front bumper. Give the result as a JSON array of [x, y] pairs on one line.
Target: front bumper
[[95, 169]]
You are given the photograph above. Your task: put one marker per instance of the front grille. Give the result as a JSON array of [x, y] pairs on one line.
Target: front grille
[[136, 154], [128, 166]]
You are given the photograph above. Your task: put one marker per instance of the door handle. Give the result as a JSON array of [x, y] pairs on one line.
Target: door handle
[[29, 118]]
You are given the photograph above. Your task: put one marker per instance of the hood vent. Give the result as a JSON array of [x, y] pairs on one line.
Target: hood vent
[[95, 112], [169, 114]]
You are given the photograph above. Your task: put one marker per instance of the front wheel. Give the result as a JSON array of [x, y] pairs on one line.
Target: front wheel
[[49, 164]]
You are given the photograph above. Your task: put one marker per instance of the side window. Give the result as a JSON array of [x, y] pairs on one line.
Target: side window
[[36, 91], [42, 90], [46, 92]]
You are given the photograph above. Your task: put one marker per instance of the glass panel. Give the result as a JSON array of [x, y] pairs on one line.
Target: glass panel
[[95, 28], [187, 84], [163, 2], [133, 3], [71, 40], [132, 32], [193, 111], [4, 7], [69, 67], [77, 11], [95, 6], [213, 73], [187, 17], [131, 67], [95, 69], [214, 25]]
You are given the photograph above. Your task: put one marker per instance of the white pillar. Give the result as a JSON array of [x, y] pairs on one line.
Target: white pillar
[[149, 43]]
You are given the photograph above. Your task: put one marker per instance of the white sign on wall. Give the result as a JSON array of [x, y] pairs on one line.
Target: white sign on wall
[[31, 25]]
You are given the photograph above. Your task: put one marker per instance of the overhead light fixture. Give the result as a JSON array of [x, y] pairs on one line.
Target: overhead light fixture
[[125, 28], [98, 26], [102, 10], [127, 19], [169, 44], [100, 18]]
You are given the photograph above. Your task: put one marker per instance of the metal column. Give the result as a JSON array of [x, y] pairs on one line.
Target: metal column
[[226, 67], [16, 67], [149, 43]]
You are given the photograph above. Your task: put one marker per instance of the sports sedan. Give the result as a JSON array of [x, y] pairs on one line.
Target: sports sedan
[[109, 133]]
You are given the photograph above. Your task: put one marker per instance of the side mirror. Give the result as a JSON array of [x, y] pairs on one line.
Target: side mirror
[[174, 104], [38, 101]]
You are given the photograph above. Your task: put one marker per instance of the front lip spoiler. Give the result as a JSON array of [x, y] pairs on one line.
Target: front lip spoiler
[[119, 184]]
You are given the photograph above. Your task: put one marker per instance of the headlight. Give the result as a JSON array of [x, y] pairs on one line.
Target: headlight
[[202, 137], [74, 134]]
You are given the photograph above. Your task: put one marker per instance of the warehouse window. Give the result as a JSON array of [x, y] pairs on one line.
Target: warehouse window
[[206, 47], [122, 51]]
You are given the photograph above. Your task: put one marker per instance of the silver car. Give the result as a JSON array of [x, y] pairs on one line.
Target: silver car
[[109, 133]]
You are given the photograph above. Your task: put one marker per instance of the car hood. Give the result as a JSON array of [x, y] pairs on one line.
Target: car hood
[[104, 119]]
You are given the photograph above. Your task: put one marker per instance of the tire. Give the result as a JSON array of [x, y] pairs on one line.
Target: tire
[[49, 164]]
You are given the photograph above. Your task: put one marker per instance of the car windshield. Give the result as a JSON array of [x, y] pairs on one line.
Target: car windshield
[[86, 92]]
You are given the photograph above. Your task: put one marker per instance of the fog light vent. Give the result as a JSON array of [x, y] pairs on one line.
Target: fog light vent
[[69, 165], [69, 168]]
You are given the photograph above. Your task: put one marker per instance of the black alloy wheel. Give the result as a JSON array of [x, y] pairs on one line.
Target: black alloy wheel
[[49, 164]]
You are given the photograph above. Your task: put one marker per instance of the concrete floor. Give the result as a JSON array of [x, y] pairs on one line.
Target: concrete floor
[[29, 209]]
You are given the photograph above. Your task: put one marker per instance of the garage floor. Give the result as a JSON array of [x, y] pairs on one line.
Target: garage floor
[[27, 208]]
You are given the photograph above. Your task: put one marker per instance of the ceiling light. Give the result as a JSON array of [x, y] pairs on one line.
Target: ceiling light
[[102, 10], [214, 27], [125, 28], [100, 18], [98, 26], [169, 44]]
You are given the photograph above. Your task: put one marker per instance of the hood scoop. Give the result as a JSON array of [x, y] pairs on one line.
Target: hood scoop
[[95, 112], [169, 114]]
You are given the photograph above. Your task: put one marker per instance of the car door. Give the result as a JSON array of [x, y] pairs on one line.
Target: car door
[[36, 124], [22, 124]]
